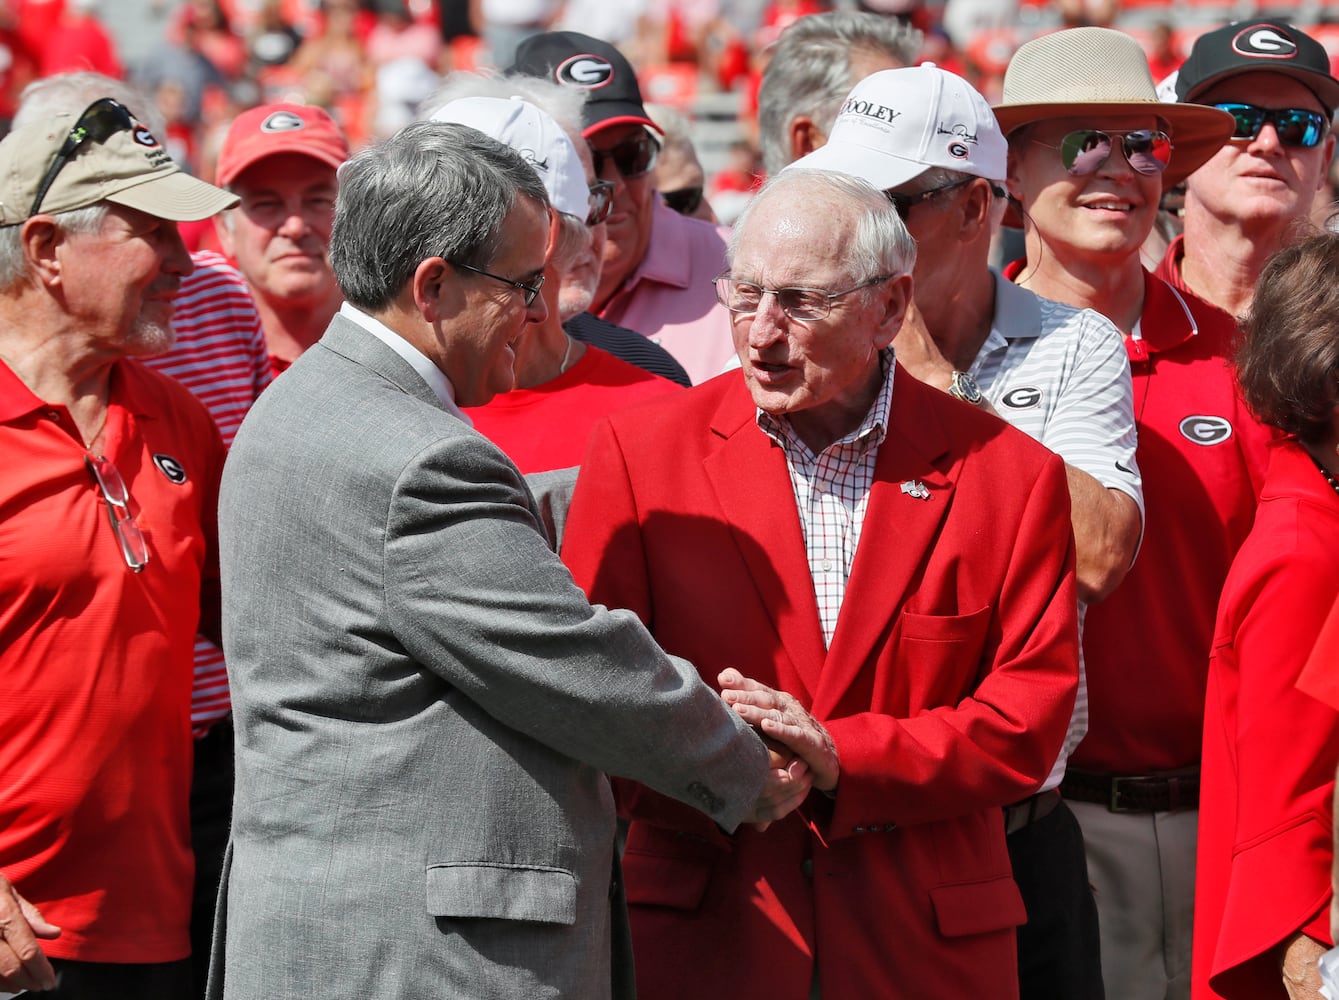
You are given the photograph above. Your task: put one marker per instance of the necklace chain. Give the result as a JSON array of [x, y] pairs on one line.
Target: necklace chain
[[1329, 476]]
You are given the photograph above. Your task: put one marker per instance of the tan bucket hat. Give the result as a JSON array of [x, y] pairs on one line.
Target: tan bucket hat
[[1097, 71]]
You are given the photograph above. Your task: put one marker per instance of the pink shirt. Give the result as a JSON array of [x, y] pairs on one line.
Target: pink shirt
[[670, 298]]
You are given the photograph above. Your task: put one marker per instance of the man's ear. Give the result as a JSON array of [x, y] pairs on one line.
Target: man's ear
[[40, 238], [224, 230], [896, 299], [436, 293], [804, 137]]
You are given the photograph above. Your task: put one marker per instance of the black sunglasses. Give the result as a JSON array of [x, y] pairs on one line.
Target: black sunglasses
[[1147, 150], [904, 203], [633, 157], [685, 201], [100, 121], [1295, 126], [601, 202]]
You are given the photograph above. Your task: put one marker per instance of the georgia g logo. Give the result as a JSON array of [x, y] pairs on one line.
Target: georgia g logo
[[1264, 42], [1023, 398], [171, 468], [1205, 430], [586, 71]]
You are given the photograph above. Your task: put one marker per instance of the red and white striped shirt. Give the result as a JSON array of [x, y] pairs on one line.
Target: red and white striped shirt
[[220, 356]]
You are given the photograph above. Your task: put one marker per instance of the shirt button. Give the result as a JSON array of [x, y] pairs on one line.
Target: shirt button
[[825, 566], [53, 414]]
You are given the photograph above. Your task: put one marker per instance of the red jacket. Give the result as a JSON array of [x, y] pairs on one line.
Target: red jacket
[[1263, 866], [947, 690]]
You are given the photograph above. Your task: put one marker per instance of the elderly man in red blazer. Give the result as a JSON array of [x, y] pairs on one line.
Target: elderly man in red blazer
[[862, 563]]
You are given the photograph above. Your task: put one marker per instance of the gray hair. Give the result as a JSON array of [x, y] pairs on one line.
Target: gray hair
[[434, 189], [881, 243], [14, 266], [71, 93], [810, 72]]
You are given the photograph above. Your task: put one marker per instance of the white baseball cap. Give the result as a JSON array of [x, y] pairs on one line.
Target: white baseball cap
[[536, 136], [899, 123]]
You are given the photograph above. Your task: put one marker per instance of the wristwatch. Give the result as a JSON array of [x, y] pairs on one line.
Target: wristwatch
[[963, 386]]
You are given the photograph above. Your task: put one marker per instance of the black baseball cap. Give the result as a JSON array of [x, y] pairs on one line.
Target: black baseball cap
[[590, 64], [1264, 46]]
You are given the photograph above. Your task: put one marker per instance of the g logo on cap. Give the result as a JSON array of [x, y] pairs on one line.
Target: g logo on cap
[[281, 121], [1264, 42], [958, 150], [586, 71], [143, 136]]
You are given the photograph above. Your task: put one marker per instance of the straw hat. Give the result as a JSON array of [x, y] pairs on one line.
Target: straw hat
[[1099, 71]]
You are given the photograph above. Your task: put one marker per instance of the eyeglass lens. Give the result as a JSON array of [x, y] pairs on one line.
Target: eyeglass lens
[[601, 202], [134, 549], [1295, 126], [530, 291], [1148, 151], [803, 304], [100, 121], [685, 201], [633, 157]]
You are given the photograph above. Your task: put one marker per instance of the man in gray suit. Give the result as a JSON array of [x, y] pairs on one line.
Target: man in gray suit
[[425, 703]]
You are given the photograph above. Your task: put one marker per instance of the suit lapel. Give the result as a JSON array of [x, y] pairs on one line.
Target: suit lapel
[[897, 536], [749, 477]]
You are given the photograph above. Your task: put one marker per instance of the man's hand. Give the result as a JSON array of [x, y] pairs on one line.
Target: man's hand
[[779, 716], [1301, 974], [22, 964]]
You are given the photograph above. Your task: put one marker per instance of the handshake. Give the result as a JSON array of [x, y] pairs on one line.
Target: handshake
[[802, 755]]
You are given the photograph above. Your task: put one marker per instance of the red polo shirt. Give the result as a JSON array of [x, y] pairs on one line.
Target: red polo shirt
[[95, 664]]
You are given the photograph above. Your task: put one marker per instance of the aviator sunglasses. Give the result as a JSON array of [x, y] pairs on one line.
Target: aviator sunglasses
[[1147, 150], [1295, 126], [601, 202], [633, 157], [100, 121]]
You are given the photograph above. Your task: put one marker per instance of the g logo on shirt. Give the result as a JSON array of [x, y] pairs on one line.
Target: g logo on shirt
[[1025, 397], [1205, 430], [171, 468]]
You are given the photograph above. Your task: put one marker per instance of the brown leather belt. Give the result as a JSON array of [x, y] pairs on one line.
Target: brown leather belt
[[1038, 806], [1134, 793]]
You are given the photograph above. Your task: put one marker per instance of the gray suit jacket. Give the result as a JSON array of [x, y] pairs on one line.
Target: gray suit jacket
[[426, 707]]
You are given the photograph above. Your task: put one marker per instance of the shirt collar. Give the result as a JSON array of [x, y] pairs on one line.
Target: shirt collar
[[669, 255], [1017, 313], [872, 430], [437, 381]]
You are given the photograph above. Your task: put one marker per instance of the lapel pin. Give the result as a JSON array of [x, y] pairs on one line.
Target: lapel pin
[[915, 488]]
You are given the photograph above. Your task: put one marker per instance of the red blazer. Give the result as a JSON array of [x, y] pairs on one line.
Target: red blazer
[[1265, 838], [947, 690]]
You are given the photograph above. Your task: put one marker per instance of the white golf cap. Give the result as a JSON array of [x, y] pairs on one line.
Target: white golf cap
[[899, 123], [536, 136]]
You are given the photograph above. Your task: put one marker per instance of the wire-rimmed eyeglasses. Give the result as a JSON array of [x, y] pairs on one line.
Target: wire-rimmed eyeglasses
[[134, 549], [531, 291], [799, 303]]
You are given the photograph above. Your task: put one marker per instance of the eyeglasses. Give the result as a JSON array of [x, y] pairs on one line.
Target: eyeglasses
[[100, 121], [134, 549], [905, 202], [1147, 150], [685, 201], [1295, 126], [633, 157], [802, 304], [530, 290], [601, 202]]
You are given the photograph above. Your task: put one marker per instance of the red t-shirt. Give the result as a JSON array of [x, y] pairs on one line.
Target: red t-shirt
[[95, 664], [1202, 459], [547, 427]]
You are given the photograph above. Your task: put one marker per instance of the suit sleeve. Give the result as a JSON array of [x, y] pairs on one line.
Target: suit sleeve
[[477, 596], [997, 744], [1286, 746]]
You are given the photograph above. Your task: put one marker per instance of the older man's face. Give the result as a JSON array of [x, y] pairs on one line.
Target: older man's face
[[120, 282], [822, 373], [629, 225], [280, 233], [1260, 181]]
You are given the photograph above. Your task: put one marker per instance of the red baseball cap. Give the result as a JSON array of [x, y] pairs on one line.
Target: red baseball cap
[[272, 129]]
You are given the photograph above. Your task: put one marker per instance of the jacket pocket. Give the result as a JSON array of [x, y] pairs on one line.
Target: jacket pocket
[[666, 868], [978, 907], [502, 892]]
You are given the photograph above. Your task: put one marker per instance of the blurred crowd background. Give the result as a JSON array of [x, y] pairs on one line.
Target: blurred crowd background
[[370, 62]]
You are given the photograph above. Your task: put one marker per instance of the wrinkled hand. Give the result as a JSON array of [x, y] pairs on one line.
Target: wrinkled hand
[[781, 717], [23, 966], [1301, 974]]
